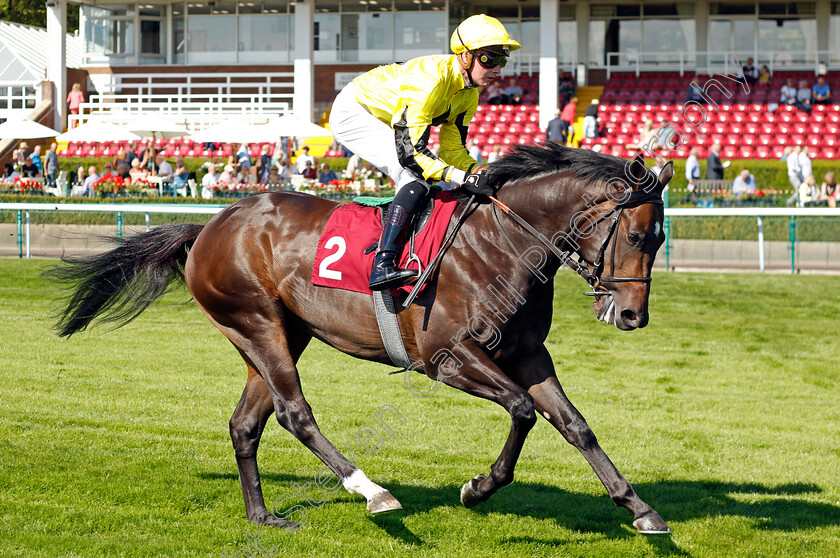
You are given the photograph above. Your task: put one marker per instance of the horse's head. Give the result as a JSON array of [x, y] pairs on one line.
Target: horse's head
[[627, 230]]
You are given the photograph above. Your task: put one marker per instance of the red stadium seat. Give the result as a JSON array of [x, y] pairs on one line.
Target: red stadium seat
[[828, 153], [749, 139], [830, 140], [815, 129], [783, 129], [777, 152], [730, 152], [817, 117], [735, 129], [745, 152], [751, 128], [765, 139], [799, 128], [732, 139], [762, 152], [813, 141]]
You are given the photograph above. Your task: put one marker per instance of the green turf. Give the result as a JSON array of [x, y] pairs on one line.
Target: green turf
[[724, 413]]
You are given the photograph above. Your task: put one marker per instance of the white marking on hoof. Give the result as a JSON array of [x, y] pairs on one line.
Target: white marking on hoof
[[378, 499]]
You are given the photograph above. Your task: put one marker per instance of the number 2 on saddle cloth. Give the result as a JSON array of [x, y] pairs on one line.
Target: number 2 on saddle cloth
[[341, 261]]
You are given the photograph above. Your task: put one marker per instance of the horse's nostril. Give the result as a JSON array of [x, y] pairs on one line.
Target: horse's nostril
[[628, 315]]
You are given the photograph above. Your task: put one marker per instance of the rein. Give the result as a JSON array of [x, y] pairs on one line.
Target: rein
[[594, 279]]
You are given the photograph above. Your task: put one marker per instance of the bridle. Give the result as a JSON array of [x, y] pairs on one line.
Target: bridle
[[589, 271]]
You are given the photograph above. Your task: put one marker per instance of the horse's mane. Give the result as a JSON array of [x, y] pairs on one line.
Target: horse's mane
[[532, 160]]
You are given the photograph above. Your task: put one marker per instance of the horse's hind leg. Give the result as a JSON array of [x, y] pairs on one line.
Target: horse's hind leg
[[268, 352], [536, 374], [246, 427]]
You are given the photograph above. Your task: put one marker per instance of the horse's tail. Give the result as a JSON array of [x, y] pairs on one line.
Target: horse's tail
[[118, 285]]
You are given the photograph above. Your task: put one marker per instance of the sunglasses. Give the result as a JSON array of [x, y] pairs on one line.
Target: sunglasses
[[490, 59]]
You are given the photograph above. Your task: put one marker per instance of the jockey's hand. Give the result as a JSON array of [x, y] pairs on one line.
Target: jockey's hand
[[478, 183]]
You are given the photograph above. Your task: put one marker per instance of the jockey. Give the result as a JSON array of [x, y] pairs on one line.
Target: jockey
[[385, 116]]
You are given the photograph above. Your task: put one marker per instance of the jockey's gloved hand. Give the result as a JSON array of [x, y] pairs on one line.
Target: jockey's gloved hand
[[478, 183]]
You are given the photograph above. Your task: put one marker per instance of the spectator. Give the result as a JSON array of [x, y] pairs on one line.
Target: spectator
[[695, 93], [286, 170], [227, 175], [744, 184], [326, 175], [243, 157], [148, 159], [281, 150], [120, 158], [273, 177], [822, 92], [108, 172], [244, 176], [803, 96], [131, 154], [714, 166], [647, 138], [786, 153], [513, 92], [569, 111], [264, 163], [590, 120], [208, 182], [122, 171], [75, 98], [29, 170], [764, 76], [181, 174], [303, 158], [51, 164], [354, 168], [36, 159], [566, 86], [557, 130], [137, 172], [805, 162], [88, 185], [309, 171], [829, 192], [494, 155], [788, 93], [164, 172], [809, 194], [692, 170], [494, 94], [795, 175], [473, 150], [750, 72], [9, 173], [81, 175]]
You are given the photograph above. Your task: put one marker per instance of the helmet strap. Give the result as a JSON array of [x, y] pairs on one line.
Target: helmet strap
[[470, 82]]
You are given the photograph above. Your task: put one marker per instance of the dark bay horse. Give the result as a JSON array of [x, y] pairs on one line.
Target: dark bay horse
[[479, 326]]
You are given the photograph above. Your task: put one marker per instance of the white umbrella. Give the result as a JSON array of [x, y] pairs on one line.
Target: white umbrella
[[289, 126], [25, 129], [233, 130], [98, 131], [155, 126]]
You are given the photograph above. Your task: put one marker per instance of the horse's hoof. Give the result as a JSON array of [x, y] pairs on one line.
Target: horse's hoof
[[383, 502], [274, 521], [651, 524], [470, 497]]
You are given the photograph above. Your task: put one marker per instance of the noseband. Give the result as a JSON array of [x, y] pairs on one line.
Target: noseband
[[583, 266]]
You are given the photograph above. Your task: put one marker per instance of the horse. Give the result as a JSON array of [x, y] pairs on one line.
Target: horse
[[479, 325]]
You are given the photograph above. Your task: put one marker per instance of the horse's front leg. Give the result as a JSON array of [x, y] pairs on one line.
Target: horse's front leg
[[536, 374], [480, 377]]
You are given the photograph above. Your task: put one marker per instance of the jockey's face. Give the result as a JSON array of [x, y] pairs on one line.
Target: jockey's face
[[483, 76]]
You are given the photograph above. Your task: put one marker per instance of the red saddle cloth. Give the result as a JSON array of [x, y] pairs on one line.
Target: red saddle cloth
[[341, 261]]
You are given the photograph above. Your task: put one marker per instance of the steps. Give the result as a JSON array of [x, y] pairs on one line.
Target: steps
[[585, 96]]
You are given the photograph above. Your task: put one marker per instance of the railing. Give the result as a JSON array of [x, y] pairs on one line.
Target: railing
[[715, 62], [187, 96], [23, 220]]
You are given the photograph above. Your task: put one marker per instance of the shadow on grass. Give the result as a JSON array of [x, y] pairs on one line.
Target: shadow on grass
[[769, 507]]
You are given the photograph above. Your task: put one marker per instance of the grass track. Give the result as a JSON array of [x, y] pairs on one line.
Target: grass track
[[724, 414]]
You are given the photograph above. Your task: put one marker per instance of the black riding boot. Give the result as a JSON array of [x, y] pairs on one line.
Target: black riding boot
[[385, 273]]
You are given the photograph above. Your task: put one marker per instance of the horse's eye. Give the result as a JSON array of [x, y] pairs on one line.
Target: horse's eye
[[634, 237]]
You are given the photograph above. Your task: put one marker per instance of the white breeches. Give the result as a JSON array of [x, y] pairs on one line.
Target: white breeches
[[367, 136]]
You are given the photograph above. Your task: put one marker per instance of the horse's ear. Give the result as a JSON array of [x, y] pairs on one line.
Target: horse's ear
[[639, 174], [666, 174]]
